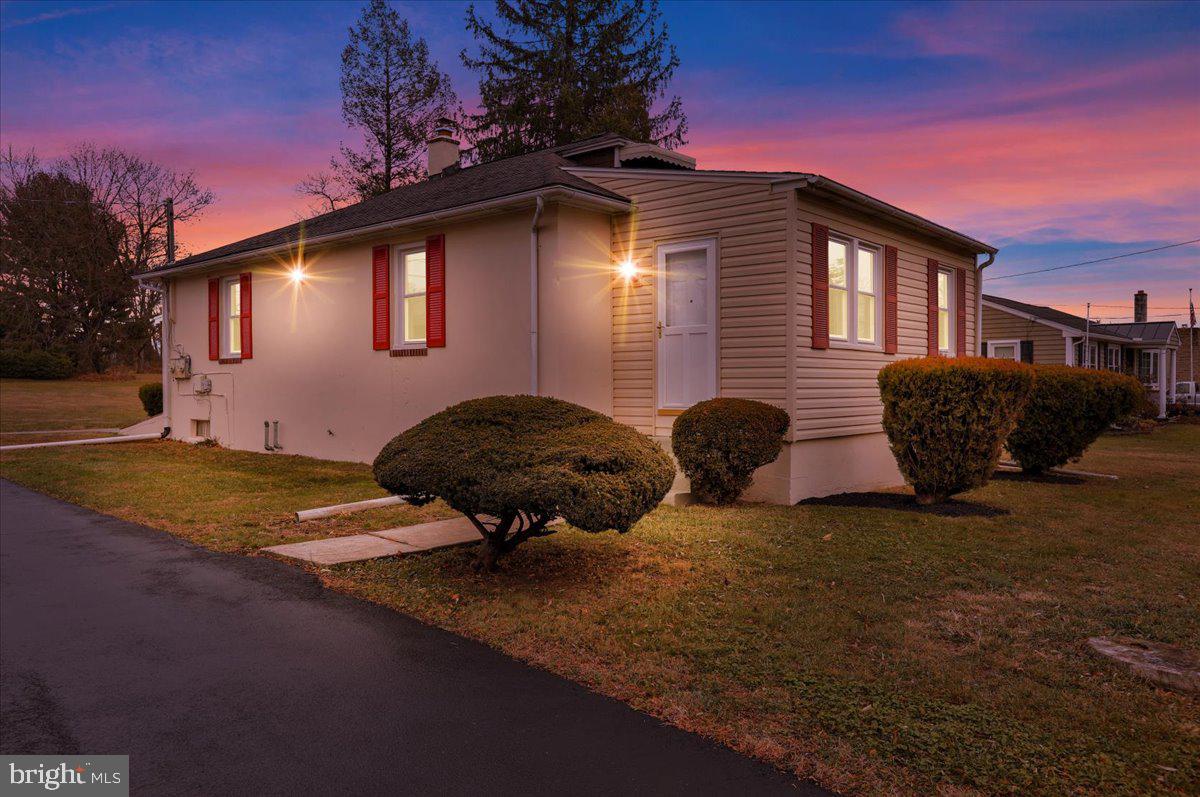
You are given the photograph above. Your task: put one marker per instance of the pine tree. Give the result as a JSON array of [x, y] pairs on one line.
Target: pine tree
[[555, 71], [392, 92]]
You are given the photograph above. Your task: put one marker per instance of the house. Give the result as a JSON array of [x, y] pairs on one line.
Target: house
[[611, 273], [1043, 335]]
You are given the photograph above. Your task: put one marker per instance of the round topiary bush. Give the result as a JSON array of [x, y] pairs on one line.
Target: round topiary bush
[[151, 395], [512, 464], [1067, 410], [946, 419], [721, 442]]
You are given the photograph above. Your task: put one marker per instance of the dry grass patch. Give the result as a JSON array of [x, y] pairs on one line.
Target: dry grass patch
[[876, 651]]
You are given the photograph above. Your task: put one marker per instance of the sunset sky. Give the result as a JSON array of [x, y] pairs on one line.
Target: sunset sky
[[1059, 133]]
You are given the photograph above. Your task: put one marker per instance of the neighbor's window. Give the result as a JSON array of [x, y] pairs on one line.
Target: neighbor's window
[[231, 305], [853, 290], [945, 318], [1114, 358], [1148, 366], [408, 302], [1004, 349]]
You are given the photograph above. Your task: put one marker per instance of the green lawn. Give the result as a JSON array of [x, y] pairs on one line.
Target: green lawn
[[874, 650], [31, 404]]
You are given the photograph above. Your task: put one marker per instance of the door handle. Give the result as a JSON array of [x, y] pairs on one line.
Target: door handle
[[660, 329]]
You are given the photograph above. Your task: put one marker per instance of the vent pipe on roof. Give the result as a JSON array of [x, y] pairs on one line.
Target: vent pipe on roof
[[443, 150], [1140, 301]]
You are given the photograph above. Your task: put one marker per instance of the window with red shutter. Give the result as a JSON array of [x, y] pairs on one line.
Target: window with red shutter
[[381, 327], [891, 299], [960, 313], [246, 323], [435, 291], [214, 319], [932, 272], [820, 286]]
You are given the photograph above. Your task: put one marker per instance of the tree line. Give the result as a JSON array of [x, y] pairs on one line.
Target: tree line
[[75, 230]]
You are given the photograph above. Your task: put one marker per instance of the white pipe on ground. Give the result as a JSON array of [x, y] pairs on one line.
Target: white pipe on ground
[[341, 509], [121, 438]]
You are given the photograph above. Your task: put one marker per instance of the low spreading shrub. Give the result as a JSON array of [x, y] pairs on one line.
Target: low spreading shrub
[[1067, 410], [946, 419], [19, 364], [720, 442], [514, 463], [151, 395]]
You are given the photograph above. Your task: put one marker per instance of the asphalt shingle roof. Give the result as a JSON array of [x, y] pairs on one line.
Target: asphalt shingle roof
[[486, 181], [1146, 332]]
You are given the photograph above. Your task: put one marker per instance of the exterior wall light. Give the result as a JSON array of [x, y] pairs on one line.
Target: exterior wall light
[[628, 270], [297, 274]]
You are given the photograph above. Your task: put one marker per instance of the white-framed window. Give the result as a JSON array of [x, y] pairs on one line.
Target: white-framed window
[[1148, 366], [231, 316], [1004, 349], [945, 312], [855, 283], [408, 296], [1092, 360], [1114, 357]]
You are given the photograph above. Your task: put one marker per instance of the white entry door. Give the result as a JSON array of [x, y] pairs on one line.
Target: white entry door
[[687, 330]]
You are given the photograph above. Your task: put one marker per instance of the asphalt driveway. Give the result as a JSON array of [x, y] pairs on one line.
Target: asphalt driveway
[[222, 674]]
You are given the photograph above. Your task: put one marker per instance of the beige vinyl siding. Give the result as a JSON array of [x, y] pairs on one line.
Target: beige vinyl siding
[[836, 392], [749, 222], [1049, 346]]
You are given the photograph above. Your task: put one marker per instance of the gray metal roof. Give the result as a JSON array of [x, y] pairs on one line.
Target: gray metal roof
[[1147, 332]]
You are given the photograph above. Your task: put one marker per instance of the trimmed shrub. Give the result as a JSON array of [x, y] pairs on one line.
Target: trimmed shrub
[[514, 463], [1067, 410], [18, 364], [151, 395], [946, 419], [721, 442]]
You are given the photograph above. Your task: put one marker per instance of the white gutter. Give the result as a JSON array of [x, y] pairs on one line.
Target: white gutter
[[533, 297], [979, 267], [128, 438], [562, 194]]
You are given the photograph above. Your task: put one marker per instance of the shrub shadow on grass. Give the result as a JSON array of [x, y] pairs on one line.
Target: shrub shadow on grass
[[1036, 478], [905, 502]]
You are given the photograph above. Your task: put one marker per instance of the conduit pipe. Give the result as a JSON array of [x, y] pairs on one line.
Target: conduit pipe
[[121, 438], [341, 509], [533, 297]]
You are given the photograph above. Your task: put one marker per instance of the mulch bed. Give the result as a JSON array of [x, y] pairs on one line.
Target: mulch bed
[[906, 503]]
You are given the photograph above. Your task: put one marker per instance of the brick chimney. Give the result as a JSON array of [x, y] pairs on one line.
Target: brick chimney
[[1139, 307], [443, 148]]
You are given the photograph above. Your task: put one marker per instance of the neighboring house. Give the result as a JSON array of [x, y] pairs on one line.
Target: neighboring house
[[1042, 335], [611, 273]]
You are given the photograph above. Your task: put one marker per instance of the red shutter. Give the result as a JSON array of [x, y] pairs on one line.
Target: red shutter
[[820, 286], [247, 322], [435, 291], [381, 323], [891, 299], [960, 313], [214, 319], [932, 266]]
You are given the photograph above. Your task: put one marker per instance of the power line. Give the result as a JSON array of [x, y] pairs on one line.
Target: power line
[[1117, 306], [1098, 260]]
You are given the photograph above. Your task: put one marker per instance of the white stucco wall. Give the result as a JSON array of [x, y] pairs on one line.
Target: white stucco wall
[[314, 368]]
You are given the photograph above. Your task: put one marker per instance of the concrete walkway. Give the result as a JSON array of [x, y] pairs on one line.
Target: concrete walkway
[[388, 542], [222, 674]]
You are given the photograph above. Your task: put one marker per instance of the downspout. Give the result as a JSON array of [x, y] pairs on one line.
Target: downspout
[[164, 344], [979, 267], [533, 297]]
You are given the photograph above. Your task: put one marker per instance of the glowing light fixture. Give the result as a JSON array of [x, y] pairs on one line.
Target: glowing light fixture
[[628, 270], [297, 274]]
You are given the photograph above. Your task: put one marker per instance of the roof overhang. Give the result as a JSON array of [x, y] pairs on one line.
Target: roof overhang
[[835, 192], [1069, 332], [559, 194]]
